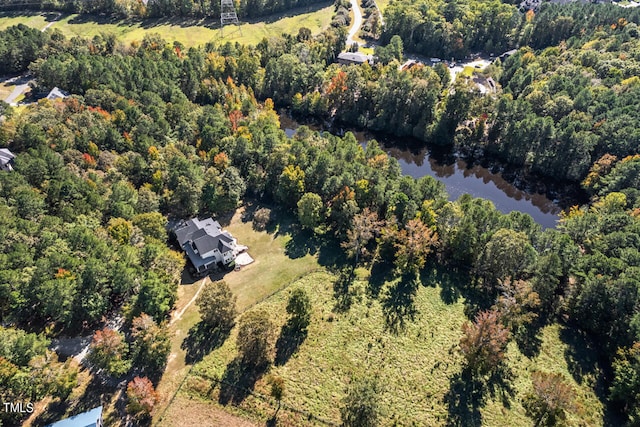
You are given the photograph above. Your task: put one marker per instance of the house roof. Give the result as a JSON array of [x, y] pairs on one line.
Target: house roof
[[6, 156], [206, 243], [86, 419], [224, 246], [355, 57], [57, 93], [199, 237], [187, 230]]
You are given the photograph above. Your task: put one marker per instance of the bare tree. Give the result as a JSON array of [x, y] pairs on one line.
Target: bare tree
[[365, 226]]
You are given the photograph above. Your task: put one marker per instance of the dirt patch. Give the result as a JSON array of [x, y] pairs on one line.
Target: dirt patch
[[188, 412]]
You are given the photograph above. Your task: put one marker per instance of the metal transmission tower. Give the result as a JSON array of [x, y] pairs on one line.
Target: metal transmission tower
[[228, 13]]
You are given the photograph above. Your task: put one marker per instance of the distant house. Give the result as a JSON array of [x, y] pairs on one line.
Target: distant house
[[507, 54], [92, 418], [205, 243], [6, 160], [347, 58], [57, 93]]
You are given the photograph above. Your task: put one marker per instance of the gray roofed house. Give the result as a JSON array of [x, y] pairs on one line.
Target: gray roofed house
[[6, 159], [57, 93], [346, 58], [205, 243]]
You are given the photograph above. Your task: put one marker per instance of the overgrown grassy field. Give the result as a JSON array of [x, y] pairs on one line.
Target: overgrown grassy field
[[418, 367], [188, 32]]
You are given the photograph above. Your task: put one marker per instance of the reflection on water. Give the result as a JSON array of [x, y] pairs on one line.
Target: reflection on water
[[461, 178]]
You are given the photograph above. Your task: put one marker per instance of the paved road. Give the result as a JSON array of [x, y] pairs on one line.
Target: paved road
[[22, 83], [357, 23]]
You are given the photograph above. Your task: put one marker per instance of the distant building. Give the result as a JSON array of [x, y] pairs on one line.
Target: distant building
[[57, 93], [92, 418], [347, 58], [205, 243], [6, 160], [507, 54]]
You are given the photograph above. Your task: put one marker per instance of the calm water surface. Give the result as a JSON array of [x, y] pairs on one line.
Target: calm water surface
[[460, 178]]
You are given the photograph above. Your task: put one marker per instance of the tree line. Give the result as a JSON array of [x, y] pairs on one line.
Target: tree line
[[161, 8]]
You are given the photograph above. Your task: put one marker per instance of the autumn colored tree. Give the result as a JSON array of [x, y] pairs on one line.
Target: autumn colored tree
[[550, 399], [108, 351], [217, 305], [256, 334], [413, 244], [484, 342], [517, 303], [141, 397], [261, 218], [364, 227]]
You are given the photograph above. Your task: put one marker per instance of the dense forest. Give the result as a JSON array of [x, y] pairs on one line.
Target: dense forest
[[156, 132]]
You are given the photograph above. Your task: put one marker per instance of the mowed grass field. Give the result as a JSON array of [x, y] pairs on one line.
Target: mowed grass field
[[35, 20], [188, 32], [416, 367]]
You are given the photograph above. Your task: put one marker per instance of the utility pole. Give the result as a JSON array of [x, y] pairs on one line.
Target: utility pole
[[228, 14]]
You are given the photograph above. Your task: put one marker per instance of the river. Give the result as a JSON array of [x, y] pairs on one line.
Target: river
[[460, 177]]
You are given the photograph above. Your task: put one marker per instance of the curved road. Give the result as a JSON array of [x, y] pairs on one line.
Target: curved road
[[357, 23]]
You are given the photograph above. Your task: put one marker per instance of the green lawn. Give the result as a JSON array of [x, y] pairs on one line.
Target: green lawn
[[415, 366], [35, 20], [188, 32], [382, 4]]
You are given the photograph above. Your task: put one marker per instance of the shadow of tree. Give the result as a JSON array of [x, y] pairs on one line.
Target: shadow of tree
[[341, 290], [288, 342], [528, 338], [500, 384], [464, 399], [202, 340], [398, 303], [581, 355], [302, 242], [238, 381], [381, 272], [449, 279], [467, 395]]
